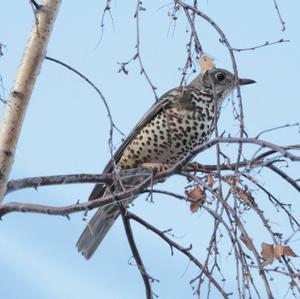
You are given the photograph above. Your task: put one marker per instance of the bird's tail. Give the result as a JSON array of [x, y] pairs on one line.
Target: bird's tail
[[96, 230], [104, 218]]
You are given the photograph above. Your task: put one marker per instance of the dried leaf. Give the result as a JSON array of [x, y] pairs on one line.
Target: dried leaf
[[247, 197], [247, 241], [244, 195], [194, 207], [206, 63], [287, 250], [210, 180], [267, 252], [278, 251], [198, 196]]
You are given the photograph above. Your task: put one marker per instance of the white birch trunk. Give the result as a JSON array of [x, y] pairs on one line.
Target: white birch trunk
[[20, 94]]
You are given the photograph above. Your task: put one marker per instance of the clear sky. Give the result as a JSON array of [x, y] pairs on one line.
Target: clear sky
[[66, 131]]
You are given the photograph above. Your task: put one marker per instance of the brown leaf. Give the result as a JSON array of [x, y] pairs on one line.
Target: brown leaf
[[194, 207], [287, 250], [247, 197], [278, 251], [247, 241], [267, 252], [198, 196], [206, 63], [244, 195]]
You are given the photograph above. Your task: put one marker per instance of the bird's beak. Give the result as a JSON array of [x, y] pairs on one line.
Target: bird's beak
[[246, 81]]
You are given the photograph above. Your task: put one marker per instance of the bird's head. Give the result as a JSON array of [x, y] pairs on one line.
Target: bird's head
[[219, 80]]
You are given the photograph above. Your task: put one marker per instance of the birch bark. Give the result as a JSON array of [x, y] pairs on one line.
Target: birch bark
[[20, 94]]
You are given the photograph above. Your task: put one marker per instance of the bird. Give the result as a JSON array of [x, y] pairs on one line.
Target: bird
[[177, 122]]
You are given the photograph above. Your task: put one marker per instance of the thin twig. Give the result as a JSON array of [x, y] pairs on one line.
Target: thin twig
[[138, 51], [277, 128], [94, 87], [185, 251], [266, 44], [107, 9], [231, 211], [146, 278], [279, 16], [284, 176], [112, 124]]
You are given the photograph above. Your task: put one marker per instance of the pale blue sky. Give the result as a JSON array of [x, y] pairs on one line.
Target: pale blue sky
[[66, 131]]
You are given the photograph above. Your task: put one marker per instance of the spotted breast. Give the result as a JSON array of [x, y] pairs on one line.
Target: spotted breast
[[185, 122]]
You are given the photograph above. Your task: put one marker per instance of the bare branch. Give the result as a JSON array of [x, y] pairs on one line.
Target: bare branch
[[279, 16], [135, 253], [230, 211], [284, 176], [107, 9], [140, 8], [36, 182], [112, 124], [88, 178], [276, 128], [185, 251], [266, 44]]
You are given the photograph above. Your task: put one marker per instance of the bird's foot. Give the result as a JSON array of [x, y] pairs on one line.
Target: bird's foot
[[197, 166]]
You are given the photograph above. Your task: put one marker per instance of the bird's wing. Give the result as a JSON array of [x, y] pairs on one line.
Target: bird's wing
[[160, 104]]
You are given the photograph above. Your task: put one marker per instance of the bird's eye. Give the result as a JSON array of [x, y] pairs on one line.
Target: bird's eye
[[220, 76]]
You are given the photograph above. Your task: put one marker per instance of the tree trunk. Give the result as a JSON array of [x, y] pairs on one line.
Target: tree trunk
[[18, 100]]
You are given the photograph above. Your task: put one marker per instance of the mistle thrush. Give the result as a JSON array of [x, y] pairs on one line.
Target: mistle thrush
[[181, 119]]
